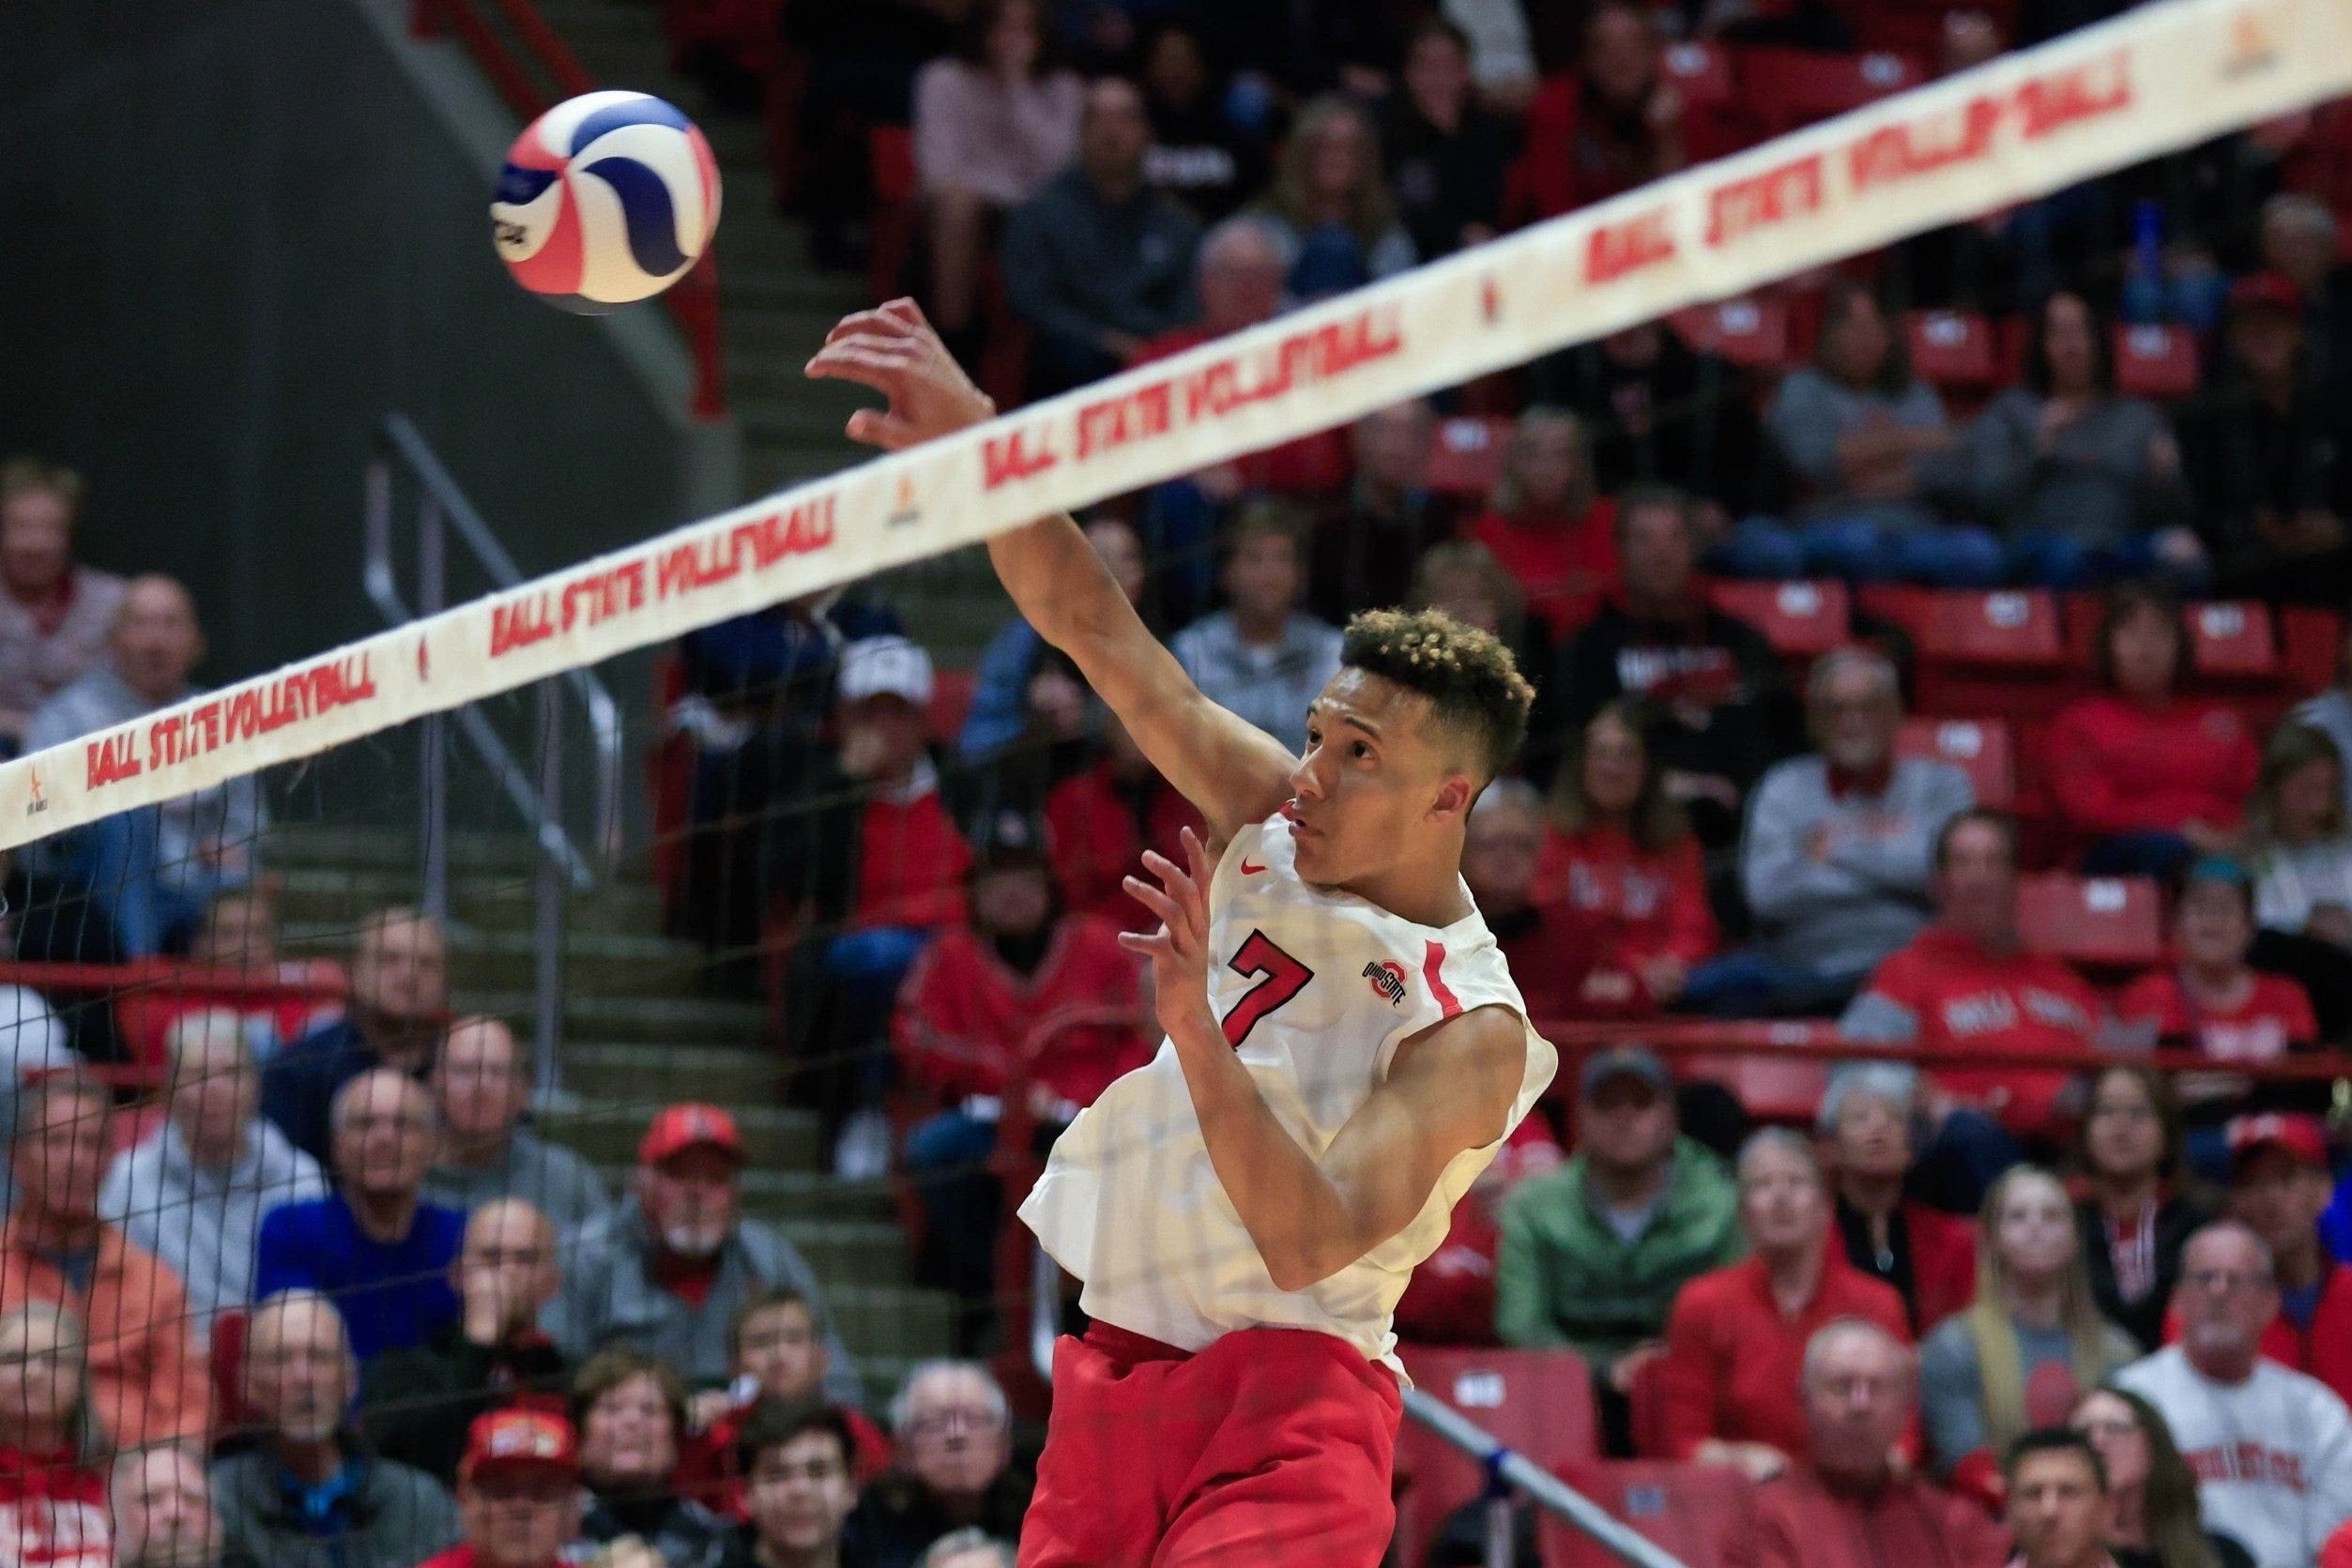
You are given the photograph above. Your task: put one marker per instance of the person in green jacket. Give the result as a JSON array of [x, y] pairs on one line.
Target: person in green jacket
[[1593, 1253]]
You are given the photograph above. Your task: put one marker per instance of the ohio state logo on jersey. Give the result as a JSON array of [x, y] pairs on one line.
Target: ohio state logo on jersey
[[1388, 979]]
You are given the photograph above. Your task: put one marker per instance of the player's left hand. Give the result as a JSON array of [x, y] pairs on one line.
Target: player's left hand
[[1179, 951]]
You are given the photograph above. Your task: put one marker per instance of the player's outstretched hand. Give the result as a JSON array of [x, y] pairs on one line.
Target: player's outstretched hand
[[893, 349], [1179, 951]]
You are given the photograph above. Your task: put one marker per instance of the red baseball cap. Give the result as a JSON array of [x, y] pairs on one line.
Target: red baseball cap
[[689, 1125], [515, 1439], [2299, 1135], [2258, 289]]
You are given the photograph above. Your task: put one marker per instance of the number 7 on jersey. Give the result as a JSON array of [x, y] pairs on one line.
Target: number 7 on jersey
[[1284, 977]]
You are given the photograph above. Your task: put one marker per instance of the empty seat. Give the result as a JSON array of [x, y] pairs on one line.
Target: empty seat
[[2110, 921], [1466, 455], [1981, 747], [1691, 1510], [1783, 1089], [2004, 626], [2233, 641], [1751, 332], [1790, 87], [1799, 619], [1701, 73], [2311, 645], [1953, 348], [2155, 360], [1539, 1402]]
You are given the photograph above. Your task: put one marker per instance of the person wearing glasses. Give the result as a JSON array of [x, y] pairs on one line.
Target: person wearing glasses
[[2271, 1447], [954, 1468], [2153, 1520]]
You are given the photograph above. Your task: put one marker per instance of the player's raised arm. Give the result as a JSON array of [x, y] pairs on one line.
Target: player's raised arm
[[1226, 766]]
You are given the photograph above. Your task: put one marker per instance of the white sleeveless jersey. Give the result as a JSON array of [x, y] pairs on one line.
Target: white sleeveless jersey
[[1317, 989]]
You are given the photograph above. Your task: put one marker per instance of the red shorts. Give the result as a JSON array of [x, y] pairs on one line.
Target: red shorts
[[1270, 1446]]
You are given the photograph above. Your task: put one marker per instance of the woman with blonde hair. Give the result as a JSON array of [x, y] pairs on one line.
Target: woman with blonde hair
[[2027, 1347], [1548, 523], [1330, 198]]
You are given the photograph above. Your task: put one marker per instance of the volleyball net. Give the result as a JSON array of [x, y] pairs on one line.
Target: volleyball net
[[530, 807]]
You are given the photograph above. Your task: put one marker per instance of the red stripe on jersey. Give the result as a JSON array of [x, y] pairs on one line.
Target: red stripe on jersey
[[1432, 963]]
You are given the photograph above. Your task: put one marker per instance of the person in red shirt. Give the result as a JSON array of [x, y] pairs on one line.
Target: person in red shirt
[[1728, 1383], [53, 1506], [775, 1355], [1852, 1505], [1100, 821], [1623, 862], [1612, 125], [2278, 1186], [2215, 1003], [1927, 1255], [2144, 779], [1451, 1297], [1965, 982], [518, 1492], [963, 1031], [1549, 525]]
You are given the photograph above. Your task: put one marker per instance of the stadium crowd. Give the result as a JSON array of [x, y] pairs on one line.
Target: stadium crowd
[[332, 1299]]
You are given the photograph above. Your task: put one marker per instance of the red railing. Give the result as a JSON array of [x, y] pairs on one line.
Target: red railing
[[523, 79]]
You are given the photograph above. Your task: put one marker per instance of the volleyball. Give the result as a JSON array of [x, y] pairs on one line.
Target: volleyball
[[606, 199]]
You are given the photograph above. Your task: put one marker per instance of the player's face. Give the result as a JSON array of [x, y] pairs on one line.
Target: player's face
[[1372, 781]]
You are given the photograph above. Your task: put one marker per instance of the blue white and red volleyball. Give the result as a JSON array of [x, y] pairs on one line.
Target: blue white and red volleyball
[[606, 198]]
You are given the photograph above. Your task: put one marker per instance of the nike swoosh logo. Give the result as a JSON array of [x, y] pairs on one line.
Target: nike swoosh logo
[[1250, 869]]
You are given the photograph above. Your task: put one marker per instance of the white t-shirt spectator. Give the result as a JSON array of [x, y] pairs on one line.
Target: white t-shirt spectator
[[32, 1041]]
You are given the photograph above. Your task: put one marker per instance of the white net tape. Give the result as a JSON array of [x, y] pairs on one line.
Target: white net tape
[[2163, 77]]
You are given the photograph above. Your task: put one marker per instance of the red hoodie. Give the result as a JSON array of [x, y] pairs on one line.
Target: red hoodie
[[1566, 564], [1630, 903], [2116, 767], [2275, 1015], [965, 1016], [52, 1512], [1091, 830]]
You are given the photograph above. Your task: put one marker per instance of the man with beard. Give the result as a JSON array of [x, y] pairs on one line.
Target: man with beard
[[666, 1273], [398, 1007], [163, 1512], [309, 1494]]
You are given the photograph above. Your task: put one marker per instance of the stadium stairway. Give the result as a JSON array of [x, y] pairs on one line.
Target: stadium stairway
[[638, 1033]]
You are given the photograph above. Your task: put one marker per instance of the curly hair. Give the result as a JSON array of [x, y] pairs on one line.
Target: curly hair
[[1470, 677]]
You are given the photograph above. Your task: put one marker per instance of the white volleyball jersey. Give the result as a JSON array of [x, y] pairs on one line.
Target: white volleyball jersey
[[1316, 989]]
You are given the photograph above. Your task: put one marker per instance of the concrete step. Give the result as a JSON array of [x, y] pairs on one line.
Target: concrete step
[[671, 1020], [893, 1320], [492, 959], [605, 1132], [339, 896], [728, 1074], [354, 848], [851, 1252]]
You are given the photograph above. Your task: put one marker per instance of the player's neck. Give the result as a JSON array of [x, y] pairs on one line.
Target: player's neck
[[1424, 894]]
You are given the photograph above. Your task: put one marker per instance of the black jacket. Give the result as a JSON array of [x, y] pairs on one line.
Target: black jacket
[[2177, 1219], [416, 1403]]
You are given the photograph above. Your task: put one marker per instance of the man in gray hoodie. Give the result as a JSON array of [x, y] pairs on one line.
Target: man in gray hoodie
[[1837, 848]]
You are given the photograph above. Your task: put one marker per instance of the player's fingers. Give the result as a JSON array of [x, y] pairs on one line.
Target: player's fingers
[[1154, 899], [1151, 945], [1169, 872], [878, 319], [879, 428], [906, 312], [1197, 855], [887, 374]]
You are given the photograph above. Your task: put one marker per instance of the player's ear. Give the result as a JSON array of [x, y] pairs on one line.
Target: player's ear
[[1455, 792]]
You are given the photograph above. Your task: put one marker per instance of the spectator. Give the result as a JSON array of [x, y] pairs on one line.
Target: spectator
[[2132, 1226], [35, 1043], [518, 1493], [954, 1470], [1632, 889], [418, 1403], [2216, 1004], [1721, 715], [146, 1382], [2056, 1488], [964, 1027], [797, 1464], [1549, 525], [1928, 1256], [1661, 412], [630, 1411], [1262, 657], [1730, 1382], [373, 1245], [1502, 51], [1836, 857], [1500, 846], [1015, 684], [2271, 1448], [1099, 822], [2267, 455], [2085, 483], [2331, 712], [1854, 1504], [309, 1494], [161, 1510], [2033, 1341], [992, 123], [777, 1357], [1612, 125], [1369, 539], [55, 615], [1874, 449], [1450, 1300], [968, 1547], [1593, 1254], [1332, 202], [479, 1086], [1965, 982], [194, 1193], [2146, 779], [399, 1005], [53, 1501], [2301, 843], [2152, 1515], [1462, 578], [1201, 154], [238, 939], [151, 870], [2279, 1187], [1098, 261], [665, 1272], [1447, 157]]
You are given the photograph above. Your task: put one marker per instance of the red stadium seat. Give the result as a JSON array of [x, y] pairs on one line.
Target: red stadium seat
[[1792, 87], [1539, 1402], [1692, 1510], [1800, 619], [2155, 361], [1751, 332], [1466, 455], [1981, 747], [1785, 1090], [2232, 641], [2108, 922], [2311, 645], [1953, 348], [2005, 627], [1701, 73]]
